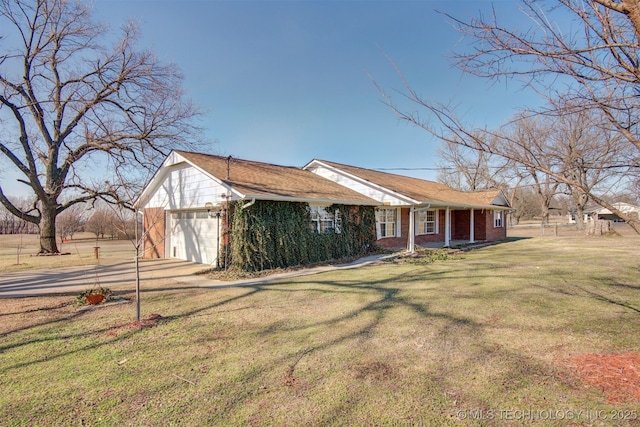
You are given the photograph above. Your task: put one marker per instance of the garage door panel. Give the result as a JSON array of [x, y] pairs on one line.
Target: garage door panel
[[194, 237]]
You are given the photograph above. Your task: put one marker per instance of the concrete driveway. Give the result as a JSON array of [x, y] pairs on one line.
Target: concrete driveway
[[165, 273], [73, 280]]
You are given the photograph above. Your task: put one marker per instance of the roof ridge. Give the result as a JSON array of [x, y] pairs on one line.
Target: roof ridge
[[240, 159]]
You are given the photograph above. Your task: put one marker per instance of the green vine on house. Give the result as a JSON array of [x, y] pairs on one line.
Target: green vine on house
[[271, 234]]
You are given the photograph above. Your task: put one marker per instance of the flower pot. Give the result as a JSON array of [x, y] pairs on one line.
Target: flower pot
[[94, 298]]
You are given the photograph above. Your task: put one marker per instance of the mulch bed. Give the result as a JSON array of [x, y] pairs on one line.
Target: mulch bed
[[616, 375]]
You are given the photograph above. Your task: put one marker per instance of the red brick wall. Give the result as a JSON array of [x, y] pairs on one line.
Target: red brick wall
[[154, 228], [461, 225], [495, 233], [480, 224], [438, 237], [397, 242]]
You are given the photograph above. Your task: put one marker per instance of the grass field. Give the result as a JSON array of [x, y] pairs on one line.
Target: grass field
[[482, 338], [18, 252]]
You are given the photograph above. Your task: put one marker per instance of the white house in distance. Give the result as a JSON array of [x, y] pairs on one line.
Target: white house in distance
[[598, 212], [185, 203]]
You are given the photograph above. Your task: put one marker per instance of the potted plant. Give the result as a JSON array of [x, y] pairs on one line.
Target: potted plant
[[94, 296]]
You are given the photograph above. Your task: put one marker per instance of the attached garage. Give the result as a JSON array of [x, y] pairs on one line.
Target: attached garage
[[193, 236]]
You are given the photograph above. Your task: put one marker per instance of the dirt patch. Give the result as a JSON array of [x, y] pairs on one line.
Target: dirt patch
[[148, 322], [378, 371], [616, 375]]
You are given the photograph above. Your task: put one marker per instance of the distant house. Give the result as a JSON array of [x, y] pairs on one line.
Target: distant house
[[186, 204], [598, 212]]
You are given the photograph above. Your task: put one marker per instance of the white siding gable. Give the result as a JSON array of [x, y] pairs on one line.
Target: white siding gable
[[361, 186], [182, 186], [500, 200]]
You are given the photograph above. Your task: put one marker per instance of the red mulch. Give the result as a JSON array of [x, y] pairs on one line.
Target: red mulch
[[616, 375]]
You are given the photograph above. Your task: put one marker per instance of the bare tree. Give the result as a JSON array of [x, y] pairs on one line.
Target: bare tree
[[582, 147], [528, 142], [467, 169], [589, 62], [525, 202], [69, 102], [100, 222], [10, 224], [581, 52], [71, 220]]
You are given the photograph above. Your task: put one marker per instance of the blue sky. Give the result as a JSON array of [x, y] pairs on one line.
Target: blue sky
[[288, 81]]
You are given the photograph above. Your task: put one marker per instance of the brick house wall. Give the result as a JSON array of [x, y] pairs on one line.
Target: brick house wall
[[495, 233], [479, 222], [461, 225], [154, 223]]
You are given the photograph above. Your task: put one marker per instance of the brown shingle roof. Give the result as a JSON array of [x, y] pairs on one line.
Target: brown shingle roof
[[264, 180], [420, 190]]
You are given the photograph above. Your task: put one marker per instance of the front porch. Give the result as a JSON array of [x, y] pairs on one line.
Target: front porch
[[450, 228]]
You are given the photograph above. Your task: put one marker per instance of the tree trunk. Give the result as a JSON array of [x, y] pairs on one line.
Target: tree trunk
[[599, 227], [545, 214], [48, 244], [580, 217]]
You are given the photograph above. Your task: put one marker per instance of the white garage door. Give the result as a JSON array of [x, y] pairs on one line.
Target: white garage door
[[193, 236]]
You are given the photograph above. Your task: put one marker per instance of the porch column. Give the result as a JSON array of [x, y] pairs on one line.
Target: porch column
[[412, 230], [472, 229], [447, 226]]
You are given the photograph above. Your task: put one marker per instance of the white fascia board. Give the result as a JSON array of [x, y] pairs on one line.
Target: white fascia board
[[409, 201], [155, 179], [442, 205]]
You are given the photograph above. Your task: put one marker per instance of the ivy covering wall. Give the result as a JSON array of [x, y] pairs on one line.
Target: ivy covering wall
[[271, 234]]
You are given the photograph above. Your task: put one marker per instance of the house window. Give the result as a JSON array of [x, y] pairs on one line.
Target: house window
[[323, 221], [426, 222], [387, 220], [498, 217]]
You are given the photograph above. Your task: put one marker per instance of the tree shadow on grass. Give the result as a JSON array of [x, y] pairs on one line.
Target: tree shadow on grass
[[569, 289], [380, 295], [87, 333]]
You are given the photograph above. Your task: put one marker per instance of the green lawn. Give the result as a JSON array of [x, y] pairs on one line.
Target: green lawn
[[486, 334]]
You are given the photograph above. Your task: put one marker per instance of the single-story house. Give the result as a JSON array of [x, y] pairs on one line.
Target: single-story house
[[186, 215], [594, 213]]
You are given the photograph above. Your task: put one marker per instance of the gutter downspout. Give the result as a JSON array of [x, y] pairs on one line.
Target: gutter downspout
[[246, 205]]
